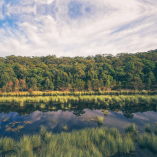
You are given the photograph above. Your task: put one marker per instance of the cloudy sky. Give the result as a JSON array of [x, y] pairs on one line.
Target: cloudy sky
[[77, 27]]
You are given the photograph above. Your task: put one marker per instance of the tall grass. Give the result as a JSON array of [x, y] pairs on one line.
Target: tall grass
[[149, 141], [131, 129], [147, 128], [7, 144], [99, 99], [100, 120], [88, 142], [57, 93]]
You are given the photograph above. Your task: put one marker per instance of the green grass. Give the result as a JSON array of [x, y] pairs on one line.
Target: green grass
[[100, 120], [43, 131], [106, 112], [147, 128], [67, 93], [7, 144], [131, 129], [65, 128], [148, 140], [67, 100], [89, 142]]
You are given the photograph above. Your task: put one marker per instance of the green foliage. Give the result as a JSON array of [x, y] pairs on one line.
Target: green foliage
[[131, 71]]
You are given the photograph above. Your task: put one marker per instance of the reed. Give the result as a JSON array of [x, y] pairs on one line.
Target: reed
[[99, 99], [149, 141], [65, 128], [89, 142], [106, 112], [147, 128], [36, 141], [7, 144], [43, 131], [56, 93], [24, 147], [100, 120], [131, 129]]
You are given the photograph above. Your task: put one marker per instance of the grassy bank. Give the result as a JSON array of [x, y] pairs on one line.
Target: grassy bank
[[95, 142], [100, 100], [89, 142], [68, 93]]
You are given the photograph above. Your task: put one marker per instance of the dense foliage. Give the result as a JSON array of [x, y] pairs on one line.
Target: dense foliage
[[126, 71]]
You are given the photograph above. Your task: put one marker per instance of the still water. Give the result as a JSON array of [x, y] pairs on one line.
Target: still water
[[15, 121]]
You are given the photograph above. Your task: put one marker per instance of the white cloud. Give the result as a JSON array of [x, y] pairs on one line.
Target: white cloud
[[110, 27], [1, 10]]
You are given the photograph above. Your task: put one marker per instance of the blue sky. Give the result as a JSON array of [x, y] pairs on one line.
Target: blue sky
[[77, 27]]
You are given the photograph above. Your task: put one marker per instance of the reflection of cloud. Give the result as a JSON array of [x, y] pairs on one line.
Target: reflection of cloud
[[80, 27], [141, 117]]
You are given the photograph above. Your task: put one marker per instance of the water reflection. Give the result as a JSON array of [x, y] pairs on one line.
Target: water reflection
[[72, 27], [77, 108], [16, 121]]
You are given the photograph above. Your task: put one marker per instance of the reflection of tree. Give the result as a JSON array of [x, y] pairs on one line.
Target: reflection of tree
[[78, 112], [77, 109], [128, 114]]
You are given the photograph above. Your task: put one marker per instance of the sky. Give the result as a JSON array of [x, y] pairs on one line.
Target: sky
[[77, 27]]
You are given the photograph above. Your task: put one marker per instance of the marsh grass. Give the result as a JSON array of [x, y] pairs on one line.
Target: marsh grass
[[106, 112], [147, 128], [43, 131], [148, 140], [100, 120], [36, 141], [65, 128], [65, 101], [58, 93], [131, 129], [89, 142], [7, 144]]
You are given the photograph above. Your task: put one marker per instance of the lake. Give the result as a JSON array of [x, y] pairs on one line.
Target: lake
[[30, 118]]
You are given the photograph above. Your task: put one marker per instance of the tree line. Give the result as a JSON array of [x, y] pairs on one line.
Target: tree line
[[100, 72]]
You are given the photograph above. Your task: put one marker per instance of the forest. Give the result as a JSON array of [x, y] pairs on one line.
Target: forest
[[100, 72]]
